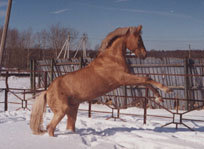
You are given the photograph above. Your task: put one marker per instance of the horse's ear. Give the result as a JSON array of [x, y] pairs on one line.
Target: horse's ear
[[128, 32], [139, 29]]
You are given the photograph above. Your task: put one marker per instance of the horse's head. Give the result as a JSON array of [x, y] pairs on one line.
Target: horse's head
[[134, 41]]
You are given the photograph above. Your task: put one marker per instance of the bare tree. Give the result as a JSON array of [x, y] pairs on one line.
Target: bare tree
[[26, 39], [22, 45], [11, 47], [41, 39], [12, 39], [14, 55], [58, 35], [97, 47]]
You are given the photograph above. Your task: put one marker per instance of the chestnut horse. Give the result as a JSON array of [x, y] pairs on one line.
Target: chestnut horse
[[106, 73]]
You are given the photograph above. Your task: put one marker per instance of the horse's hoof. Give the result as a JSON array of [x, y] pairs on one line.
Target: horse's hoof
[[40, 132], [51, 134], [159, 99], [50, 131], [70, 129], [169, 90]]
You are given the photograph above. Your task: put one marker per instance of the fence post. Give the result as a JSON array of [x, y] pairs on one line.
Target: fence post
[[81, 62], [45, 80], [145, 105], [39, 78], [34, 76], [6, 92], [89, 109], [186, 82], [26, 101], [190, 84], [52, 69], [22, 102], [6, 100], [125, 91], [31, 74]]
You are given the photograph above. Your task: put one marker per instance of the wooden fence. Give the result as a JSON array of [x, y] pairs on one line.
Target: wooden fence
[[184, 76]]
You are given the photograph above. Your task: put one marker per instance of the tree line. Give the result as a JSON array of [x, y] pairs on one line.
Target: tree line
[[21, 46]]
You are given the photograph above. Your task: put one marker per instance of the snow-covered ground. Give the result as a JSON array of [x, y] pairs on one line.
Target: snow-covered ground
[[97, 132]]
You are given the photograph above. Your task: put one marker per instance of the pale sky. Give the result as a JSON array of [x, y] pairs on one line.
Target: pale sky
[[167, 24]]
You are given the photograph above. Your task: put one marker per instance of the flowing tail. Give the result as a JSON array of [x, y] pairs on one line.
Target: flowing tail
[[36, 117]]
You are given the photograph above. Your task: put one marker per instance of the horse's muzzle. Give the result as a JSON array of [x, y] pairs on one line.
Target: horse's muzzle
[[143, 56]]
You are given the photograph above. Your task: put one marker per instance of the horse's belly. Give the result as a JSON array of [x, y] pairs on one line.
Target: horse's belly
[[87, 84], [94, 89]]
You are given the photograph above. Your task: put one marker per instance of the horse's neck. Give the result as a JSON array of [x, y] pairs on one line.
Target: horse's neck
[[113, 55], [117, 49]]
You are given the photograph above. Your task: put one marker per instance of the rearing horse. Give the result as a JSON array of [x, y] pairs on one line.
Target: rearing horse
[[106, 73]]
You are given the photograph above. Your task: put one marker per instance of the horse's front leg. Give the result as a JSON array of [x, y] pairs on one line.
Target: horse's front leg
[[155, 92], [130, 79]]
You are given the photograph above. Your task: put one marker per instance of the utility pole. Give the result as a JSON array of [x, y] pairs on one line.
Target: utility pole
[[66, 54], [65, 48], [82, 45], [4, 34], [84, 41], [189, 52]]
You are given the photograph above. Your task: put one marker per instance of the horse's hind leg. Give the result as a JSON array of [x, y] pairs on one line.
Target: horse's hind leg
[[71, 117], [55, 120]]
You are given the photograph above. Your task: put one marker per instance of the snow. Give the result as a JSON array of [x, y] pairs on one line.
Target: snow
[[97, 132]]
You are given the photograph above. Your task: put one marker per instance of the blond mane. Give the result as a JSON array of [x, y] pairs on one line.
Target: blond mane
[[114, 35]]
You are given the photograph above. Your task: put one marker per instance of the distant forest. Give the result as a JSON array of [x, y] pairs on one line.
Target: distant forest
[[22, 46]]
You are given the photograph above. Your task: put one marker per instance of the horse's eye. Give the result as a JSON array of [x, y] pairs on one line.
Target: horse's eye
[[139, 40]]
